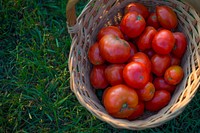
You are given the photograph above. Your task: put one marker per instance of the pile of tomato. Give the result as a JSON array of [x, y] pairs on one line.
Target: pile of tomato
[[137, 63]]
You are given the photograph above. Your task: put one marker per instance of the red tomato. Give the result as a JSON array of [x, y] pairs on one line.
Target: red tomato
[[133, 49], [132, 24], [153, 21], [97, 77], [175, 60], [145, 39], [142, 58], [120, 101], [94, 55], [166, 17], [180, 45], [114, 50], [160, 100], [159, 64], [146, 93], [136, 75], [150, 53], [163, 42], [174, 75], [110, 30], [161, 84], [138, 111], [161, 28], [114, 74], [151, 77], [104, 92], [125, 36], [138, 7]]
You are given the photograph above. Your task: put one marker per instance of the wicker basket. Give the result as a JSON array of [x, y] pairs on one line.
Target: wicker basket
[[99, 13]]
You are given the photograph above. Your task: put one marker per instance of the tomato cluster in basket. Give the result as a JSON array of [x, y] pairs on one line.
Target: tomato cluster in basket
[[137, 63]]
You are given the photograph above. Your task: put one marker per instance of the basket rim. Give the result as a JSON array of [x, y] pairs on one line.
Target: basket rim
[[90, 109]]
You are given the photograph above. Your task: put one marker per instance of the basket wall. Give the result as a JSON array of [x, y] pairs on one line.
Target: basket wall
[[100, 13]]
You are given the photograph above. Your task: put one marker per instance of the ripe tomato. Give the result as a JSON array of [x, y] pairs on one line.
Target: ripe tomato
[[174, 75], [114, 50], [175, 60], [161, 84], [97, 77], [145, 39], [159, 64], [132, 24], [153, 21], [133, 49], [120, 101], [114, 74], [138, 7], [136, 75], [150, 53], [146, 93], [138, 111], [180, 45], [151, 77], [125, 36], [142, 58], [160, 100], [114, 30], [166, 17], [94, 55], [163, 42], [161, 28]]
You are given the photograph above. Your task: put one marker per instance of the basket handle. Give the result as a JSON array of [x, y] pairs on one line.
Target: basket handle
[[71, 11]]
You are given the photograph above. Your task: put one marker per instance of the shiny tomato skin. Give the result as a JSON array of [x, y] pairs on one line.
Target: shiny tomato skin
[[161, 84], [146, 93], [180, 45], [132, 24], [166, 17], [138, 111], [150, 53], [175, 60], [97, 77], [142, 58], [94, 55], [114, 30], [163, 42], [137, 7], [114, 74], [159, 64], [120, 101], [173, 75], [160, 100], [136, 75], [145, 39], [153, 21], [114, 50]]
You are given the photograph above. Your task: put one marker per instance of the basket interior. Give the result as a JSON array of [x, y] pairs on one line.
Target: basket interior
[[98, 14]]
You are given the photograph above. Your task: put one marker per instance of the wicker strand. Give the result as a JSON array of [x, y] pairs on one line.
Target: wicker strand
[[71, 12], [97, 14]]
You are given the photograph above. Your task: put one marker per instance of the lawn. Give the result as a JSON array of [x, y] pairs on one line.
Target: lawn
[[35, 95]]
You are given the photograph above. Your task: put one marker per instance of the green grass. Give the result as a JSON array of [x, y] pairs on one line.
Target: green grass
[[35, 95]]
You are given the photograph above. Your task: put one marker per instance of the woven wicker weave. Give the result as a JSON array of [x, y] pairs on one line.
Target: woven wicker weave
[[99, 13]]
